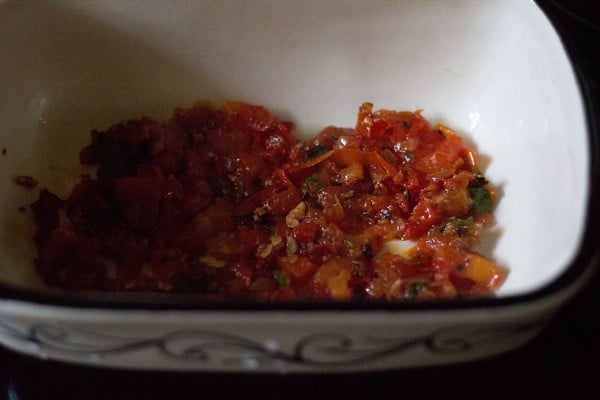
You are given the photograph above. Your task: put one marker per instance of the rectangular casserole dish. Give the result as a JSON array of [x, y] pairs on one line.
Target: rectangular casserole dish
[[496, 72]]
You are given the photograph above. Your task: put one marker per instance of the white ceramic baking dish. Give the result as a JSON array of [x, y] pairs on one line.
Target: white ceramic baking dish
[[494, 71]]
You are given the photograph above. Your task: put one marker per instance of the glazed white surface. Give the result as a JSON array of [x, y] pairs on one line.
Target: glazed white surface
[[281, 342], [494, 71]]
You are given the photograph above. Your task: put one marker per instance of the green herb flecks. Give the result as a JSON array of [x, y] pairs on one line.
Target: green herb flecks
[[409, 156], [482, 200], [414, 289], [316, 151], [282, 278], [312, 185]]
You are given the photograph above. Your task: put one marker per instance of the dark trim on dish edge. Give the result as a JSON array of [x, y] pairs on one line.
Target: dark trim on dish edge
[[588, 255]]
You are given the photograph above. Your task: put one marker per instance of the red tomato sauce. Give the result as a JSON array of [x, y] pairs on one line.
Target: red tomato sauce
[[226, 202]]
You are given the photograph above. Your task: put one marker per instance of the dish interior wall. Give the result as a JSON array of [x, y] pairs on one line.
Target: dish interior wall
[[494, 71]]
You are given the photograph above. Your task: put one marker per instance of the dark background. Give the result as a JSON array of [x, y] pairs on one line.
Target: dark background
[[561, 363]]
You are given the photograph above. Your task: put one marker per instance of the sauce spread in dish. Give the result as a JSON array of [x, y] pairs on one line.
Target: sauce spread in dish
[[226, 202]]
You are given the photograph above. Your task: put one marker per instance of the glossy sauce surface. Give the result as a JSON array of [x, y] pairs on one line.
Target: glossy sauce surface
[[226, 202]]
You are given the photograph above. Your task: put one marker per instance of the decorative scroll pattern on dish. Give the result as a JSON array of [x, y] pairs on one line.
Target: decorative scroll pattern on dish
[[327, 349]]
